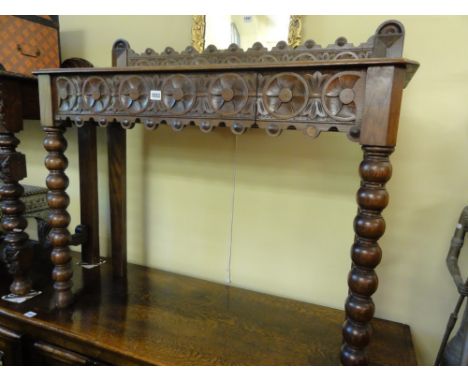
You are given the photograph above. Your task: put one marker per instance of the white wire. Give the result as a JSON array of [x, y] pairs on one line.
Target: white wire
[[233, 199]]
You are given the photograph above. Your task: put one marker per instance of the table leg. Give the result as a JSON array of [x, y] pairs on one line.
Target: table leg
[[369, 226], [59, 219], [116, 139], [87, 153], [17, 255]]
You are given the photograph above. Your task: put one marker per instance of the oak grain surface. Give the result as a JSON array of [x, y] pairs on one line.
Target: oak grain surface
[[163, 318]]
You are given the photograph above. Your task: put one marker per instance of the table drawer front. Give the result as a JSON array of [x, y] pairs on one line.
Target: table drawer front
[[43, 353], [150, 99], [11, 348], [312, 100]]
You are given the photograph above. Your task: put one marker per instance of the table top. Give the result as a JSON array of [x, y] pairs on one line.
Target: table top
[[410, 66]]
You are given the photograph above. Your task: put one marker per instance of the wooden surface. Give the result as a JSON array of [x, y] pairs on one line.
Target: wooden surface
[[167, 319]]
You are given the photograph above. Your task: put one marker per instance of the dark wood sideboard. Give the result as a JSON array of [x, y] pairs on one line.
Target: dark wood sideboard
[[120, 313]]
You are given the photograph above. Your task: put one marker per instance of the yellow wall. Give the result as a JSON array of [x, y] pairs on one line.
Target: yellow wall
[[294, 197]]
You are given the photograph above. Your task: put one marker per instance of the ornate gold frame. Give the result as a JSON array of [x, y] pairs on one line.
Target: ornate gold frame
[[199, 25]]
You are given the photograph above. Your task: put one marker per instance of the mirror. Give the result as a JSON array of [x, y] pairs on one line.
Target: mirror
[[223, 30]]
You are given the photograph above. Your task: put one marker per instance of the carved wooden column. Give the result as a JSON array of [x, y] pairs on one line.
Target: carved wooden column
[[16, 254], [369, 226], [59, 219]]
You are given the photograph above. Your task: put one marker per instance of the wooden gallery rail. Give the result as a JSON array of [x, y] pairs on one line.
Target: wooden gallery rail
[[341, 88]]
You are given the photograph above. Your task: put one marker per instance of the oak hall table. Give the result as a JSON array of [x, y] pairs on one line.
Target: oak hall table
[[356, 90]]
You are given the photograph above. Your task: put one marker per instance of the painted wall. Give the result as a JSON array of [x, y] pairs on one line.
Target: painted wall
[[275, 214]]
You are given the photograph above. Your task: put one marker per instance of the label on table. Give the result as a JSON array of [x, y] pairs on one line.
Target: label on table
[[155, 95]]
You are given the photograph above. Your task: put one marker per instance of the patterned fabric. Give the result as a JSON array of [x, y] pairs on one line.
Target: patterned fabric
[[27, 46]]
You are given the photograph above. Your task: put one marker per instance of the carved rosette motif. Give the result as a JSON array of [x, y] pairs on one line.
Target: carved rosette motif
[[178, 94], [340, 95], [228, 93], [96, 94], [285, 95], [134, 94], [67, 94]]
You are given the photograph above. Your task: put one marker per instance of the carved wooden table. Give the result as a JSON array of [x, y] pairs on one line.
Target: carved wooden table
[[341, 88]]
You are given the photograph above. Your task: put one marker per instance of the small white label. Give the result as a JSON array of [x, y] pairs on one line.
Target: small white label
[[155, 95], [30, 314], [20, 299]]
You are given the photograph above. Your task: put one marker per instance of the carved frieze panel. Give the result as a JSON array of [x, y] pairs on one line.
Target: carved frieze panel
[[178, 99], [312, 101], [386, 42], [309, 51], [308, 100]]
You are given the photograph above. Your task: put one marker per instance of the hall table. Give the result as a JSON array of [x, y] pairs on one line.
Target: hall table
[[356, 90]]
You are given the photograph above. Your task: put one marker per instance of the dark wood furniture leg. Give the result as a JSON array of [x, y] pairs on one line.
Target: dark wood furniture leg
[[89, 191], [59, 219], [17, 255], [369, 226], [116, 144]]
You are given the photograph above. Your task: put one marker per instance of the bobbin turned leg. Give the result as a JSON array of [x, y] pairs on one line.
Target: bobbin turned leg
[[16, 254], [58, 201], [369, 226]]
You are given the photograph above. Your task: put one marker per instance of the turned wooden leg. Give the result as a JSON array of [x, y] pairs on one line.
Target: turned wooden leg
[[16, 254], [58, 200], [369, 226]]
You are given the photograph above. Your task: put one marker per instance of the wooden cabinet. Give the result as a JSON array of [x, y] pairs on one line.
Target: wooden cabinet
[[29, 43], [43, 353], [161, 318]]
